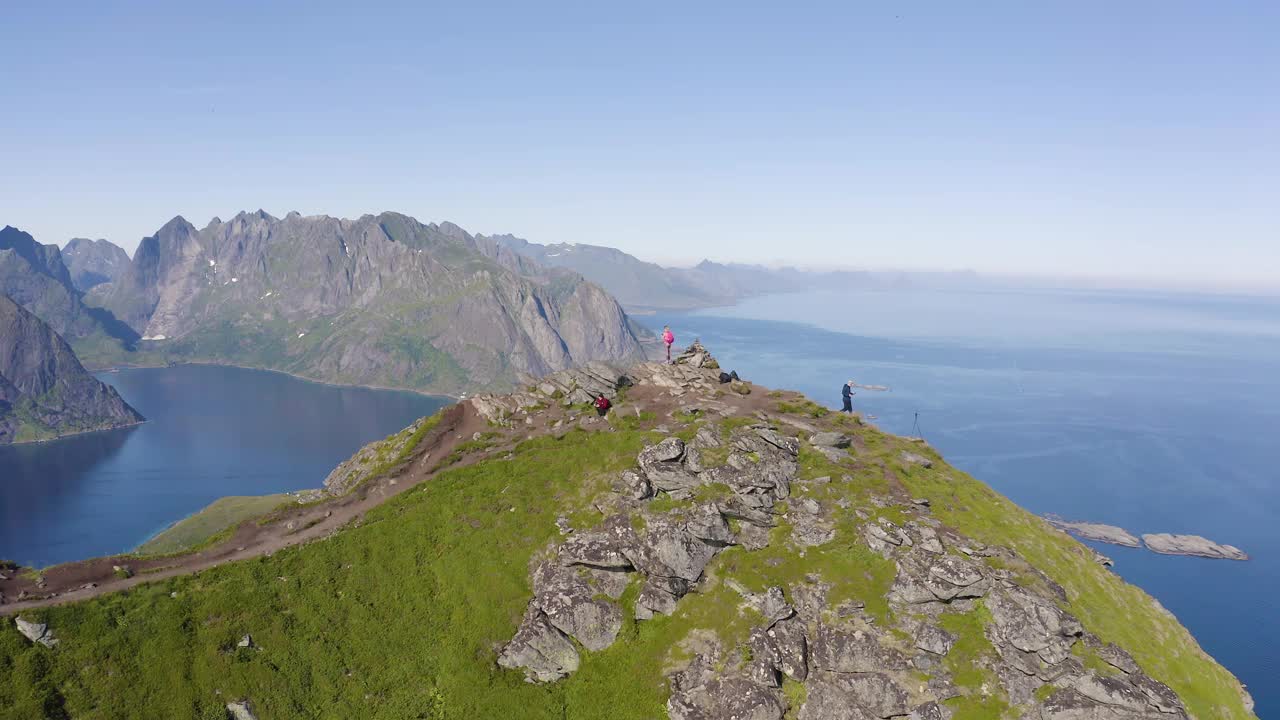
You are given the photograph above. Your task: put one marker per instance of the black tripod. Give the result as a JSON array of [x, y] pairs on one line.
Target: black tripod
[[915, 428]]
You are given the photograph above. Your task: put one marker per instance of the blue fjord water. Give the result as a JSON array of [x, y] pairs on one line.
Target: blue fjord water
[[1154, 412], [211, 431]]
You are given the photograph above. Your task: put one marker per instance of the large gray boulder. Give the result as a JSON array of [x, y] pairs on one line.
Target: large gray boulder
[[860, 696], [859, 651], [777, 650], [36, 632], [544, 653], [668, 549], [662, 465], [576, 606]]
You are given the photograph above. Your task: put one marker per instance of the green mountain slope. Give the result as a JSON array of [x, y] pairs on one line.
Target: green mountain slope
[[842, 572]]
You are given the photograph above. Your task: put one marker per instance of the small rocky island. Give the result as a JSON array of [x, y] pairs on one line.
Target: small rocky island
[[1163, 543], [1195, 545]]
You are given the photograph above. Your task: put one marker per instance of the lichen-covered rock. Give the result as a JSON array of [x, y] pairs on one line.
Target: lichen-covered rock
[[607, 548], [542, 651], [779, 649], [569, 599], [859, 696], [934, 640], [699, 694], [659, 596], [662, 465], [859, 651], [668, 549]]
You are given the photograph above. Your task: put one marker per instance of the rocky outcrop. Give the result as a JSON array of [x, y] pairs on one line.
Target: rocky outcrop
[[1192, 545], [93, 262], [44, 391], [378, 300]]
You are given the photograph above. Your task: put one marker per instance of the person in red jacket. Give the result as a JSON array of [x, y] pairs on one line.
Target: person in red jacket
[[669, 339], [602, 405]]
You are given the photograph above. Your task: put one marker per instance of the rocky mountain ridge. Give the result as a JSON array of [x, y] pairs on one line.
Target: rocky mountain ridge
[[379, 300], [45, 393], [35, 276]]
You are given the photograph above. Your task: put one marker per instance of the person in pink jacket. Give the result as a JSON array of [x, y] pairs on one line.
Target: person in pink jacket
[[669, 339]]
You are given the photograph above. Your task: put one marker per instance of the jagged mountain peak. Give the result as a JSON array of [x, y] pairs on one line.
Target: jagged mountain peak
[[382, 299]]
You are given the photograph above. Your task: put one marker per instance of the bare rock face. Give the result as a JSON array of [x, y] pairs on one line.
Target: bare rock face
[[44, 390], [544, 653], [93, 262], [859, 696], [701, 691], [378, 300], [859, 651]]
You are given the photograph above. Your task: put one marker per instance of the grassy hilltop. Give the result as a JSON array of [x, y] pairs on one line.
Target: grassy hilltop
[[404, 612]]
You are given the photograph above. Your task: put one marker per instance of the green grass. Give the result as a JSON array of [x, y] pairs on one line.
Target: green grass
[[388, 620], [402, 616], [1108, 606], [965, 660], [217, 517]]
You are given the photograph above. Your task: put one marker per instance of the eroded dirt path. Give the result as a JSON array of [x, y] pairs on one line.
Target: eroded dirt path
[[77, 581], [83, 580]]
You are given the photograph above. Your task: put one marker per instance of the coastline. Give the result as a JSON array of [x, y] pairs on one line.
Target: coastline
[[304, 378], [78, 433]]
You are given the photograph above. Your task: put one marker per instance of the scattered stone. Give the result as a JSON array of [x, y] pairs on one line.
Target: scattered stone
[[1193, 545], [831, 440], [916, 459], [36, 632], [241, 710], [246, 642]]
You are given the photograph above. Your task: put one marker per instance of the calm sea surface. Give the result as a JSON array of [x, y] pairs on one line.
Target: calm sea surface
[[212, 431], [1155, 412]]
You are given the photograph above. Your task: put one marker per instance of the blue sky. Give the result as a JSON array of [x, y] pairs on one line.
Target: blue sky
[[1135, 140]]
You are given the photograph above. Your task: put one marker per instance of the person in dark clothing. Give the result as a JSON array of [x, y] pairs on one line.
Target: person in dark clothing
[[602, 405], [846, 394]]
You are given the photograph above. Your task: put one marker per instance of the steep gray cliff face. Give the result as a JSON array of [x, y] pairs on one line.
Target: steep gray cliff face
[[44, 391], [93, 262], [381, 300], [34, 276]]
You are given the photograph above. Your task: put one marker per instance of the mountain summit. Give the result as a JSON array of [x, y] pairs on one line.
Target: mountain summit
[[378, 300], [44, 391]]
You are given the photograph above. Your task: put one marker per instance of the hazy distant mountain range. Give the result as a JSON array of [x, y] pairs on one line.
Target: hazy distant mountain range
[[44, 391], [643, 286]]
